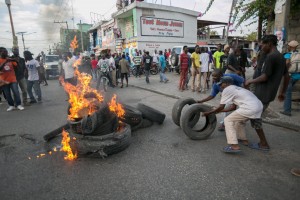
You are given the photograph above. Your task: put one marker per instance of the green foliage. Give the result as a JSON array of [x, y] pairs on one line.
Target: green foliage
[[263, 9], [252, 36], [208, 7]]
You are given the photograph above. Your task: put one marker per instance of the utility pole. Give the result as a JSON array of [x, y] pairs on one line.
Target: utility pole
[[22, 34], [15, 39], [81, 36]]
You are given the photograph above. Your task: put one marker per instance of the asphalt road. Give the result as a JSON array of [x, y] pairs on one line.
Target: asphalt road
[[161, 162]]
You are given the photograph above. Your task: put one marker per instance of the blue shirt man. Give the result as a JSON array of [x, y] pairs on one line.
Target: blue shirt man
[[217, 75]]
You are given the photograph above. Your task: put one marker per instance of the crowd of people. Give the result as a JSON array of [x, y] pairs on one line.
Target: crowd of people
[[24, 73]]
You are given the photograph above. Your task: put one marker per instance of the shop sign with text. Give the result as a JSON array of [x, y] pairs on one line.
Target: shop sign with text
[[161, 27]]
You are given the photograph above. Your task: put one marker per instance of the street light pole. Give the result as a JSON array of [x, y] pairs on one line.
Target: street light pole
[[15, 39]]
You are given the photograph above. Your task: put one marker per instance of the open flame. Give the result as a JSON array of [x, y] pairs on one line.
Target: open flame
[[66, 146], [116, 107], [80, 105], [74, 43]]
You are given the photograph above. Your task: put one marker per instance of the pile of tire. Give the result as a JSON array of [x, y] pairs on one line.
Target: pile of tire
[[143, 116], [188, 119], [103, 133]]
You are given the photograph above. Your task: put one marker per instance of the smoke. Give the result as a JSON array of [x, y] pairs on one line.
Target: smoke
[[50, 11]]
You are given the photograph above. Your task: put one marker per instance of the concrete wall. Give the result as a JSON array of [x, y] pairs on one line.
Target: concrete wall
[[294, 28]]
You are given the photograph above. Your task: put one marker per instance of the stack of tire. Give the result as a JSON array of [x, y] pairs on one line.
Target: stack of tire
[[188, 119], [142, 116], [103, 133]]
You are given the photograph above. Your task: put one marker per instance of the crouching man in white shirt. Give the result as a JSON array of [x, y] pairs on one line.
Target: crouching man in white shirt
[[249, 107]]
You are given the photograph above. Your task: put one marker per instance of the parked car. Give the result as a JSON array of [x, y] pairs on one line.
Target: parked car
[[51, 66], [177, 50]]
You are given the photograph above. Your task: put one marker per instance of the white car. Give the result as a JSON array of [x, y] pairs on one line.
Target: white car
[[51, 66]]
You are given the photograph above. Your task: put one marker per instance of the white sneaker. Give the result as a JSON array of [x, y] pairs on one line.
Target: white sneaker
[[20, 107], [10, 108]]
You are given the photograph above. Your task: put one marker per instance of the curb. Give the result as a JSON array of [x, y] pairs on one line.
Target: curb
[[274, 122]]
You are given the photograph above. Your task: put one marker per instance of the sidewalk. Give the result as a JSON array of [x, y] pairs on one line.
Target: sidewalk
[[170, 89]]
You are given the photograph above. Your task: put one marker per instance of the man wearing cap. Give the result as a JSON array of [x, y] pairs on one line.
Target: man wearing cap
[[292, 57], [20, 73], [249, 107], [217, 75]]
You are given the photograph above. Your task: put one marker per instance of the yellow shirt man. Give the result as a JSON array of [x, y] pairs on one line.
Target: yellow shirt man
[[196, 57], [217, 56]]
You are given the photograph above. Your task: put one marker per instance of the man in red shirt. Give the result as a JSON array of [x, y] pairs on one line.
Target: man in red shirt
[[94, 63], [184, 67], [7, 75]]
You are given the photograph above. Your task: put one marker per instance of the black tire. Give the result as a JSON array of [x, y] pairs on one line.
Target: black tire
[[151, 113], [206, 131], [138, 126], [174, 59], [177, 108], [146, 123], [132, 115], [107, 127], [101, 146], [55, 132]]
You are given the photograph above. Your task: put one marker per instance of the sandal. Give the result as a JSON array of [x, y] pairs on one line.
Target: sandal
[[257, 147], [229, 149]]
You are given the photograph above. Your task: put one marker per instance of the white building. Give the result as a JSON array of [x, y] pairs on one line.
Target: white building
[[146, 26]]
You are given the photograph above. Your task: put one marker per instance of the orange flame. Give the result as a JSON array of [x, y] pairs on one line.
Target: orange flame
[[74, 43], [80, 105], [66, 146], [116, 107]]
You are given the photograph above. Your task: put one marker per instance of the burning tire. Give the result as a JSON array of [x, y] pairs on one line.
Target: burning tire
[[101, 146], [177, 109], [188, 128], [151, 113], [109, 126], [132, 116], [95, 146]]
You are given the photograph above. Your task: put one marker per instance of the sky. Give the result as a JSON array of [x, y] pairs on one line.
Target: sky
[[36, 17]]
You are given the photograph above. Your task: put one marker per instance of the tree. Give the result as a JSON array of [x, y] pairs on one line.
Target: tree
[[252, 36]]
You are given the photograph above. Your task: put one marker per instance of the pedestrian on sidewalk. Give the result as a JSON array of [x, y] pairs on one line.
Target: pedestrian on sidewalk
[[216, 76], [267, 84], [8, 78], [147, 60], [32, 67], [124, 65], [137, 61], [204, 60], [113, 70], [184, 68], [293, 64], [233, 65], [217, 55], [20, 74], [163, 67], [196, 70], [249, 107]]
